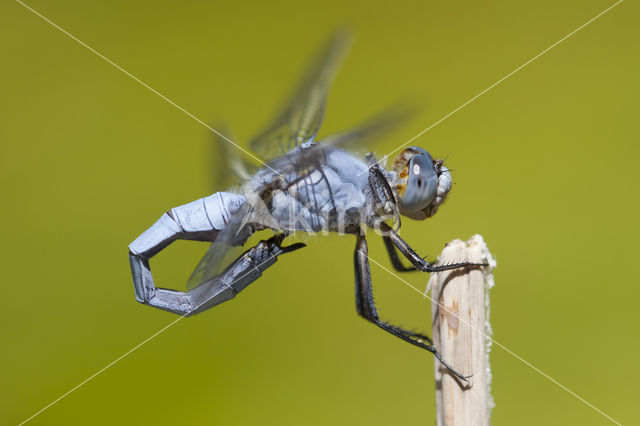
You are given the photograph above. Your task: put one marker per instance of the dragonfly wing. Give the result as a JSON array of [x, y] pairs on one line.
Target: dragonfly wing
[[311, 156], [227, 246], [280, 174], [230, 167], [293, 159], [371, 129], [255, 214], [301, 119]]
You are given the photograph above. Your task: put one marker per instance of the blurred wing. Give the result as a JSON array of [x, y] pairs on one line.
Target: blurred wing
[[230, 168], [301, 120], [297, 125], [374, 128], [288, 169], [227, 247]]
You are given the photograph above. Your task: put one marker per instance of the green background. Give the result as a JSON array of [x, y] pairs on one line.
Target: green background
[[546, 169]]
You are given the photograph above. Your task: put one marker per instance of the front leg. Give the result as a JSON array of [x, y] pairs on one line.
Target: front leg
[[393, 256], [367, 309], [413, 257]]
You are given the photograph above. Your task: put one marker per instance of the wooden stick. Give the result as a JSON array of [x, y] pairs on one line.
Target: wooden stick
[[461, 330]]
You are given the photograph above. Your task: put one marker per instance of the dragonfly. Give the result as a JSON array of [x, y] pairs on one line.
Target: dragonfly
[[304, 185]]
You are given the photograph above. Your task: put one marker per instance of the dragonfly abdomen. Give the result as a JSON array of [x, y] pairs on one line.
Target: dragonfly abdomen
[[200, 220]]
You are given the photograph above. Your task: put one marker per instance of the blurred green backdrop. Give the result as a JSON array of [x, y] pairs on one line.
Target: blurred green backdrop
[[545, 169]]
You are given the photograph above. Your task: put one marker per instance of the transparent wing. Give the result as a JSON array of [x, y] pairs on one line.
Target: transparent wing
[[256, 214], [310, 156], [297, 124], [282, 172], [372, 129], [229, 167], [223, 251], [300, 121]]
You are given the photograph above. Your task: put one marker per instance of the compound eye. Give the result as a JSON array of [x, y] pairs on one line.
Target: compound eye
[[421, 183]]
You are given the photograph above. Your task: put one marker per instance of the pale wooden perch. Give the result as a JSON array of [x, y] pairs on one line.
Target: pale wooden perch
[[461, 330]]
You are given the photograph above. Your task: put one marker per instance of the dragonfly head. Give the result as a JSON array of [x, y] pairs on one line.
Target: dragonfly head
[[422, 183]]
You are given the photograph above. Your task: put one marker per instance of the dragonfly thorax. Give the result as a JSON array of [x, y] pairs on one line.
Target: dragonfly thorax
[[333, 195]]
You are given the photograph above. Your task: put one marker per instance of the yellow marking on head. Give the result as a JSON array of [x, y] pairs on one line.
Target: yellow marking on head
[[403, 178]]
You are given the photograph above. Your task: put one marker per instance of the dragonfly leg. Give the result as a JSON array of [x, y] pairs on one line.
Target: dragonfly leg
[[418, 262], [247, 268], [367, 309], [393, 256]]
